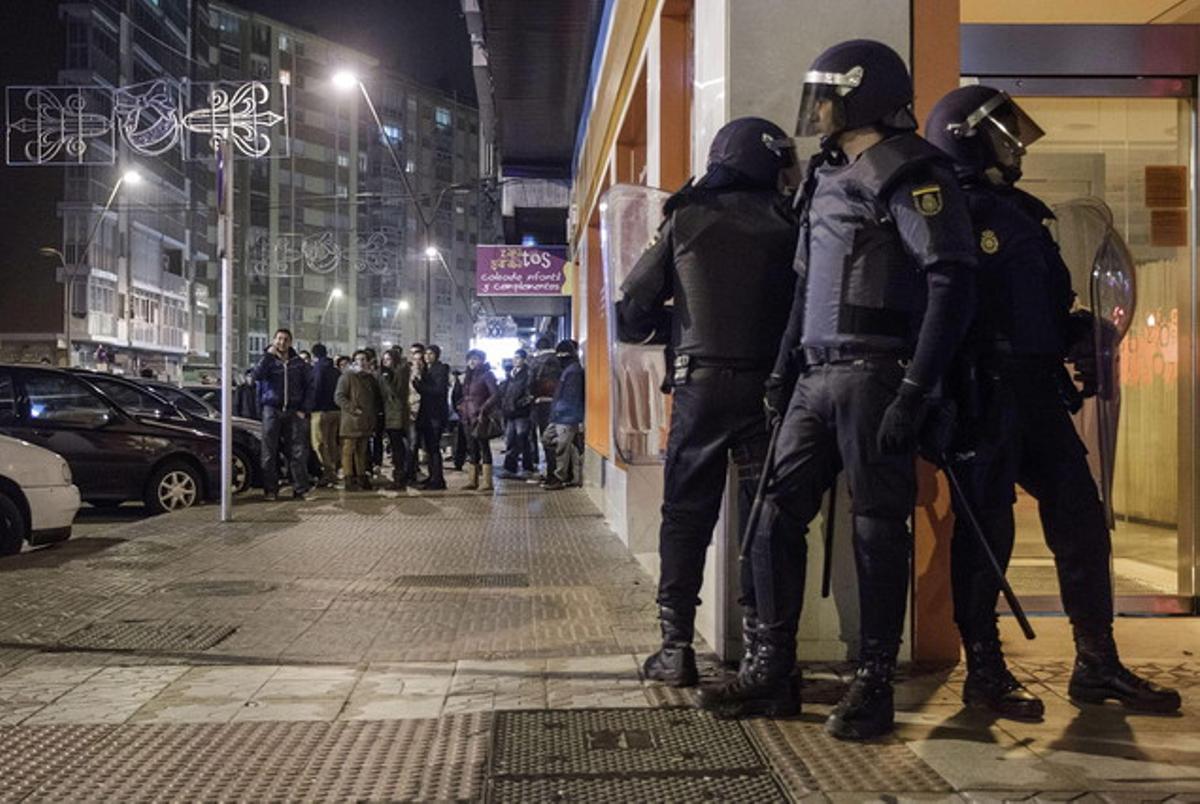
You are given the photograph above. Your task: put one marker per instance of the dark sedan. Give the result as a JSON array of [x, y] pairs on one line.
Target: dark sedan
[[115, 455], [166, 402]]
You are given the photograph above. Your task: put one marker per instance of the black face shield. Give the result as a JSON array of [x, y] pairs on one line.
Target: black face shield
[[818, 88]]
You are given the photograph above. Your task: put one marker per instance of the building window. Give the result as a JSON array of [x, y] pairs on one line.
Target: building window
[[442, 117], [77, 45], [283, 42], [392, 134], [411, 167], [343, 160]]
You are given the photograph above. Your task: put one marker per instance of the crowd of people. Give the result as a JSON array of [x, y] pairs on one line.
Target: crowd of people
[[352, 411]]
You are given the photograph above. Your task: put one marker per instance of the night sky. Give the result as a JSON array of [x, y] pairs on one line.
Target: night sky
[[424, 39]]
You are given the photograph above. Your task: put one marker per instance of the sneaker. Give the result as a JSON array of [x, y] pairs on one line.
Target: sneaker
[[270, 496], [302, 496], [554, 484]]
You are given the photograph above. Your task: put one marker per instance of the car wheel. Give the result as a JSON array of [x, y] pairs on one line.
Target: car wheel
[[242, 479], [12, 526], [174, 487]]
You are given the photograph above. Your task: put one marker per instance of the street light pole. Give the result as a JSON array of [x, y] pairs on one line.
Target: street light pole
[[130, 176]]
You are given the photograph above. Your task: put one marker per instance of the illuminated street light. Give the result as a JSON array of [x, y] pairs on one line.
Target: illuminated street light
[[403, 305], [345, 80], [432, 253], [131, 177], [336, 293]]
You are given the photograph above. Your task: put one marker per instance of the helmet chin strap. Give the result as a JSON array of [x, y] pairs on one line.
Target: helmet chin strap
[[1003, 175]]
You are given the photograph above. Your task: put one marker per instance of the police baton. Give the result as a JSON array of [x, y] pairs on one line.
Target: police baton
[[756, 508], [1010, 596]]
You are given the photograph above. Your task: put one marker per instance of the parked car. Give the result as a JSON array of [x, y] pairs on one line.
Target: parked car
[[38, 501], [150, 398], [115, 455]]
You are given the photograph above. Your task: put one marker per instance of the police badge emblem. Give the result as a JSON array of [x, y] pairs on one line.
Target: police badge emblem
[[988, 242], [928, 200]]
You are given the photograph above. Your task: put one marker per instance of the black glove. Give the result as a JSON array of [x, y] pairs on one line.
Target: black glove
[[902, 420], [777, 392]]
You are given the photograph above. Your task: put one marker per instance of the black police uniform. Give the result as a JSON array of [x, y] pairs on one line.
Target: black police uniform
[[1014, 422], [883, 297], [724, 257], [1025, 434]]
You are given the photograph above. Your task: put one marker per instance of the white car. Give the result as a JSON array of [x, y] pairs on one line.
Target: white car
[[38, 501]]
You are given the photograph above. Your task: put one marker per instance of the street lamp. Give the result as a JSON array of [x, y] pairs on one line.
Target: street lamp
[[334, 294], [128, 177]]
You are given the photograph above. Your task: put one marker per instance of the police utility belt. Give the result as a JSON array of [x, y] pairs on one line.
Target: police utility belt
[[832, 355], [684, 367]]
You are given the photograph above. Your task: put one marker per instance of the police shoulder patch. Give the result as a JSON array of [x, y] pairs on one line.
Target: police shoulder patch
[[928, 199], [988, 242]]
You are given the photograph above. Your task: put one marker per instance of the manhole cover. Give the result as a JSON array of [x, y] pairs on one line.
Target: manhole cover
[[144, 636], [625, 755], [462, 581], [220, 588]]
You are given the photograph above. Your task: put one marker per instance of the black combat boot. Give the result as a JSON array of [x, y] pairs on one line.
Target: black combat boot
[[767, 686], [1099, 676], [749, 638], [867, 709], [990, 686], [675, 662]]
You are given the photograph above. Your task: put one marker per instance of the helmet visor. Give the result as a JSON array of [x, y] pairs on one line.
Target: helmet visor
[[1006, 125], [822, 111]]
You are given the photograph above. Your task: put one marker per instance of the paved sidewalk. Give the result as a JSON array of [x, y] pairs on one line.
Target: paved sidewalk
[[460, 647]]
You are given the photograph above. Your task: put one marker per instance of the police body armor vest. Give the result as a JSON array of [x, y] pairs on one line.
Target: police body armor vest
[[1024, 286], [733, 280], [864, 293]]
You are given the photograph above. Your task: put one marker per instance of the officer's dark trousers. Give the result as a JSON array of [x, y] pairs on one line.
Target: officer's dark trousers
[[1033, 442], [831, 425], [716, 415]]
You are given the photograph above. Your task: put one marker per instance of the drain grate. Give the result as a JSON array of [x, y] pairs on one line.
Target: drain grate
[[625, 754], [146, 636], [817, 761], [465, 581], [219, 588], [753, 789]]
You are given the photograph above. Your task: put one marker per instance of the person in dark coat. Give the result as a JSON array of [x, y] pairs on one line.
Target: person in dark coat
[[545, 369], [516, 405], [285, 395], [480, 394], [566, 419], [325, 413], [432, 382], [395, 381]]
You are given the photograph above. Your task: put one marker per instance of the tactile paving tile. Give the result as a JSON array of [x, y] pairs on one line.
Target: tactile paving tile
[[35, 754], [758, 788], [1183, 675], [219, 588], [143, 636], [824, 763], [401, 760], [465, 581]]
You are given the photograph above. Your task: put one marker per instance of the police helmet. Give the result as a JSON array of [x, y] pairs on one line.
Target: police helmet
[[748, 150], [981, 128], [865, 82]]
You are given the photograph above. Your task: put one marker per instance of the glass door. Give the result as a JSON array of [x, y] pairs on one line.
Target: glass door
[[1136, 155]]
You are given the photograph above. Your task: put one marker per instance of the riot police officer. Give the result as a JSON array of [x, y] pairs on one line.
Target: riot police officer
[[883, 295], [723, 257], [1018, 428]]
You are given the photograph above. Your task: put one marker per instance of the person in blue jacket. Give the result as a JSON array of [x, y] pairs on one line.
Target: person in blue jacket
[[285, 394]]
